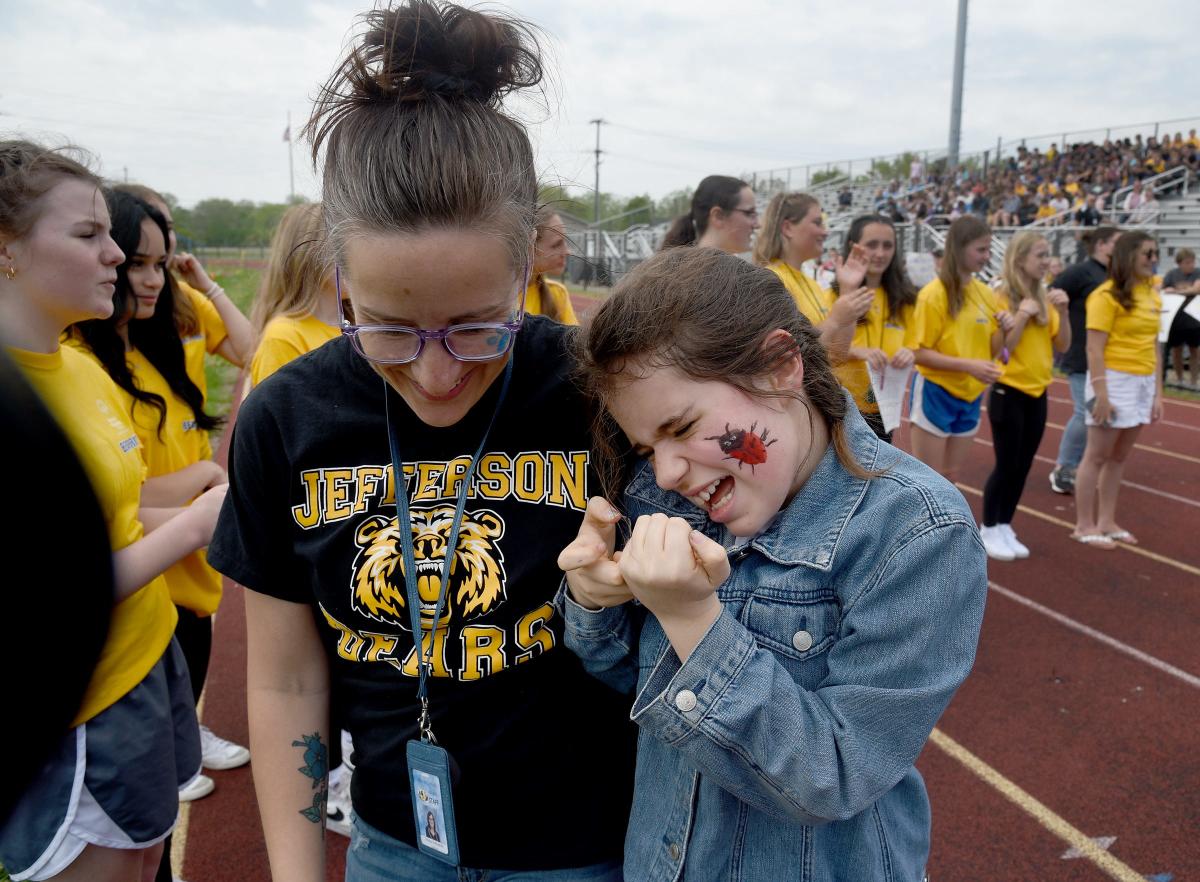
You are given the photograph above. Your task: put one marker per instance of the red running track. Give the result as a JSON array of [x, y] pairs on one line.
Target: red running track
[[1084, 705]]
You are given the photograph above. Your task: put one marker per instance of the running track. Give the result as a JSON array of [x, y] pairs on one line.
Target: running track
[[1071, 753]]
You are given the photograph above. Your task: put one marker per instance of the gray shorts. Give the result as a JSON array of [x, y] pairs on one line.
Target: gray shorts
[[112, 781]]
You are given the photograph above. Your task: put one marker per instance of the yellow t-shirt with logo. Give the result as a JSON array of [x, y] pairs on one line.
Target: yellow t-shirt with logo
[[1132, 345], [558, 294], [207, 337], [1031, 362], [287, 337], [966, 335], [192, 583], [88, 407]]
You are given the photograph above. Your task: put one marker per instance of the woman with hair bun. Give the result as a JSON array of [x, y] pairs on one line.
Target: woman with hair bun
[[397, 497], [723, 215]]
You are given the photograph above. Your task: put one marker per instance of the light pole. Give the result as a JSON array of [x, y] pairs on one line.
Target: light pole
[[960, 51], [596, 204]]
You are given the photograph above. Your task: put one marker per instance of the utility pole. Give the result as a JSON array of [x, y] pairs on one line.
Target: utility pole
[[960, 51], [596, 205]]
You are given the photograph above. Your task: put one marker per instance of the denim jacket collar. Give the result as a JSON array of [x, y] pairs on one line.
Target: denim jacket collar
[[806, 533]]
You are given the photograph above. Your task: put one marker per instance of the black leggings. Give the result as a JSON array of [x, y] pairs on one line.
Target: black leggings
[[1018, 421], [194, 634]]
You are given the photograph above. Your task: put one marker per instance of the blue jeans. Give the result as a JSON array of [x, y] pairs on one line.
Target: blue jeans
[[1074, 439], [374, 856]]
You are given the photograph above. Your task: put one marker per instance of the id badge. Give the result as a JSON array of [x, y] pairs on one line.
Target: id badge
[[433, 806]]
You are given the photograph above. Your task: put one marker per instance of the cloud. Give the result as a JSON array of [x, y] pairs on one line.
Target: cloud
[[193, 97]]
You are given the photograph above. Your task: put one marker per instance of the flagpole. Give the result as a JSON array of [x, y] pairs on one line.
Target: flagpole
[[291, 173]]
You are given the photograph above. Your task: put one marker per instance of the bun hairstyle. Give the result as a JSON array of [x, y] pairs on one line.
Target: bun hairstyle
[[156, 337], [412, 130], [673, 311], [29, 171], [715, 191]]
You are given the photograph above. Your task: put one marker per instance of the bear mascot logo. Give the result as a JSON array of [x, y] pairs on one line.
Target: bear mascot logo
[[476, 573]]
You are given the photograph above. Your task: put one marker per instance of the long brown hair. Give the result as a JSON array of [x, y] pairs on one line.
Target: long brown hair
[[29, 171], [674, 309], [962, 232], [1121, 266], [768, 243], [296, 269], [412, 130]]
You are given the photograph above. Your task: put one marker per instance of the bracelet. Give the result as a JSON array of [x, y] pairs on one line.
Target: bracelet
[[213, 291]]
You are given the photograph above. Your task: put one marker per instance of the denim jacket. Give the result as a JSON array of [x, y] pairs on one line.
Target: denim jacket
[[784, 748]]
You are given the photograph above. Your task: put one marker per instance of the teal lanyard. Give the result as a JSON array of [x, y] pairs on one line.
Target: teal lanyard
[[404, 527]]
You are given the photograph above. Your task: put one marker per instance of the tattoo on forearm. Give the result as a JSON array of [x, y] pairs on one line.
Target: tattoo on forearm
[[316, 767]]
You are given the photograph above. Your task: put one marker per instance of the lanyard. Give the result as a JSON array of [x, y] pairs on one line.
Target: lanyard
[[800, 279], [404, 527]]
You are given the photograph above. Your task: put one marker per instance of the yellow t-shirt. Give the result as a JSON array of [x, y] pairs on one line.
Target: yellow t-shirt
[[1046, 210], [192, 583], [1132, 345], [882, 330], [207, 338], [813, 300], [1030, 363], [88, 407], [966, 335], [287, 337], [558, 294]]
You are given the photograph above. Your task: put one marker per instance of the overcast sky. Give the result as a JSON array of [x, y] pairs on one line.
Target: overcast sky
[[193, 97]]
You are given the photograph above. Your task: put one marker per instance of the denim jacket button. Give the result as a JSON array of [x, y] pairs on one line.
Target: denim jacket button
[[802, 640], [674, 851], [685, 700]]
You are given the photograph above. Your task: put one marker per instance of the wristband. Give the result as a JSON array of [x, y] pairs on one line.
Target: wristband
[[214, 290]]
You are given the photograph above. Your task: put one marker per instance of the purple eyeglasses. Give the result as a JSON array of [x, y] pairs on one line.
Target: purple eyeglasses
[[400, 344]]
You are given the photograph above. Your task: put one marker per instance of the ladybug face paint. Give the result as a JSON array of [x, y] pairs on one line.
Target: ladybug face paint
[[736, 457], [746, 446]]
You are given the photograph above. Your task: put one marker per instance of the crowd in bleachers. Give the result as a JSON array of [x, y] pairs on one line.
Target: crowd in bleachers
[[1078, 185]]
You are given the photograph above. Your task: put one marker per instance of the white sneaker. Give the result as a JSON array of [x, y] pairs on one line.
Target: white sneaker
[[996, 544], [217, 753], [337, 808], [198, 788], [1013, 542]]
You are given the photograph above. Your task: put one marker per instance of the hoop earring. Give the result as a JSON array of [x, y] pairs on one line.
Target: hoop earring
[[10, 272]]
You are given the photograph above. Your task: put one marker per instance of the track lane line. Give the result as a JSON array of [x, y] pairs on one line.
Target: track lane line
[[1135, 549], [1132, 484], [1156, 663], [1108, 863]]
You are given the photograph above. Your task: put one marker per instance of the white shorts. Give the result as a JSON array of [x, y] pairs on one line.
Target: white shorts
[[1131, 397]]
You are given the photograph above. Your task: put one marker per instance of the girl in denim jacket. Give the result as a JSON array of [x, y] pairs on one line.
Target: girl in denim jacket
[[796, 602]]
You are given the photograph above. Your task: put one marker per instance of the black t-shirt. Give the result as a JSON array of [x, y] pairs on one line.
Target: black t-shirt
[[1079, 280], [545, 751], [1183, 322]]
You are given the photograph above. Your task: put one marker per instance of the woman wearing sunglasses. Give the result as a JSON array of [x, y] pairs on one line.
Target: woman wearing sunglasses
[[1124, 386], [443, 419]]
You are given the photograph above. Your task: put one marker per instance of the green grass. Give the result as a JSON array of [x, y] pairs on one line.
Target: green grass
[[241, 285]]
